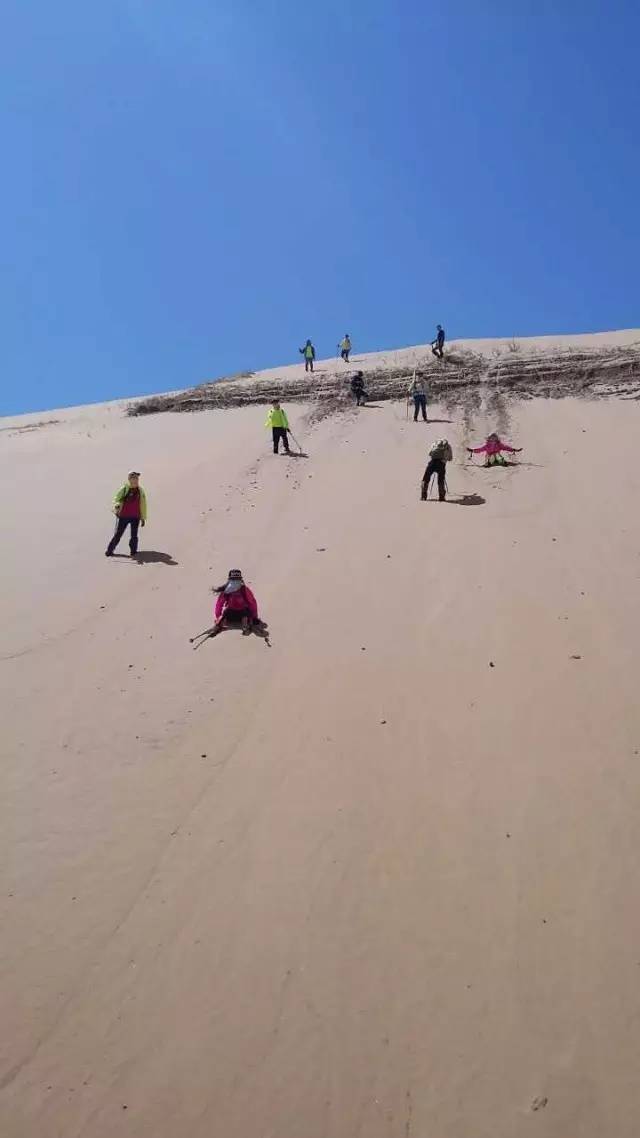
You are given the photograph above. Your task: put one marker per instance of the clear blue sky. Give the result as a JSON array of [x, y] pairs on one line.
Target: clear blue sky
[[192, 188]]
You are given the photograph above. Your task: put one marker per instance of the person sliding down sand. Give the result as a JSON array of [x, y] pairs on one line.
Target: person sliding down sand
[[236, 605], [493, 449]]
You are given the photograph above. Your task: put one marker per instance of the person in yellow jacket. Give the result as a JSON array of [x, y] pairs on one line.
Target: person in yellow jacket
[[345, 348], [277, 420], [130, 508]]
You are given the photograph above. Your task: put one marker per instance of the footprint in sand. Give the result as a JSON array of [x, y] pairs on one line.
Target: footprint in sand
[[539, 1103]]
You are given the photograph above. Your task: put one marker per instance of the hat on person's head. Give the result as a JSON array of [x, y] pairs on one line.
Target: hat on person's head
[[235, 575]]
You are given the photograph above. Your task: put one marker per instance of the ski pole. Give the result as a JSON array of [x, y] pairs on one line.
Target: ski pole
[[202, 636], [295, 441], [412, 381]]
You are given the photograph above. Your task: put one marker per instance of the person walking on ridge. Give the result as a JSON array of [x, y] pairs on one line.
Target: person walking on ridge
[[345, 348], [437, 345], [279, 424], [309, 354], [418, 392], [130, 508], [439, 456]]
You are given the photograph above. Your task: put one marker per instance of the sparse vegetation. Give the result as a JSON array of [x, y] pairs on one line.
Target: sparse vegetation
[[553, 374]]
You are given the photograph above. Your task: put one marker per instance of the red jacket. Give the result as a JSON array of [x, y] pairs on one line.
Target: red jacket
[[235, 602]]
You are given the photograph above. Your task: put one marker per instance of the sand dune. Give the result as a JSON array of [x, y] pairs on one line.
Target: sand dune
[[379, 879]]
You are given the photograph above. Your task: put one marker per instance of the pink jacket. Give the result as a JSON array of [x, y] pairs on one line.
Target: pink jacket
[[493, 446], [236, 602]]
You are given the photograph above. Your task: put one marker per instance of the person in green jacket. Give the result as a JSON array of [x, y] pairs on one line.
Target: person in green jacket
[[309, 354], [277, 420], [130, 508], [345, 348]]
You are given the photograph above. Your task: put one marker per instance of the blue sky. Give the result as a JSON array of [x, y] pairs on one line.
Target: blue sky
[[191, 189]]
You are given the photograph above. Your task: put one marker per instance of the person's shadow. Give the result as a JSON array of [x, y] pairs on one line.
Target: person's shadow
[[154, 557], [468, 500]]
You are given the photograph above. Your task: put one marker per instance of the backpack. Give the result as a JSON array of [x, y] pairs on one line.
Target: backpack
[[439, 451]]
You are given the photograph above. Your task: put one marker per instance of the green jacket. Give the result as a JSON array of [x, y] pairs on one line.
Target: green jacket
[[277, 419], [121, 494]]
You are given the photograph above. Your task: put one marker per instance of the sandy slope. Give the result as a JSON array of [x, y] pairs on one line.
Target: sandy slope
[[361, 883]]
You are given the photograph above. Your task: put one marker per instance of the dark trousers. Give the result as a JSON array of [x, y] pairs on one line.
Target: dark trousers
[[280, 433], [438, 467], [345, 354], [436, 348], [420, 404], [121, 526], [308, 364]]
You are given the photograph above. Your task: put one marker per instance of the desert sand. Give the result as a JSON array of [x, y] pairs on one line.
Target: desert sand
[[377, 880]]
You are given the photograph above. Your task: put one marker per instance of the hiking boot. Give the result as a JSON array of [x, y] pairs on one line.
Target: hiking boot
[[108, 553]]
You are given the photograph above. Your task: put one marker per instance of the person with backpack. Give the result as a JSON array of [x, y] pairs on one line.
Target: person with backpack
[[357, 389], [438, 344], [309, 354], [439, 456], [130, 508], [493, 449], [235, 605], [418, 392], [278, 422], [345, 348]]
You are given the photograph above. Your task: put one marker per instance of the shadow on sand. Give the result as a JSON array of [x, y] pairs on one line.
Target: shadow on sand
[[468, 500], [428, 421], [154, 557], [146, 557], [464, 500], [258, 628]]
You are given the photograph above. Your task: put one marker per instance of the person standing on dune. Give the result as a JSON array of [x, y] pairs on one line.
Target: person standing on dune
[[357, 389], [130, 508], [309, 354], [418, 392], [278, 422], [345, 348], [439, 456]]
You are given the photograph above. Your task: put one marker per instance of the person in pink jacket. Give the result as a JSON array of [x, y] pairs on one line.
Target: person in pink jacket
[[235, 604], [493, 449]]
